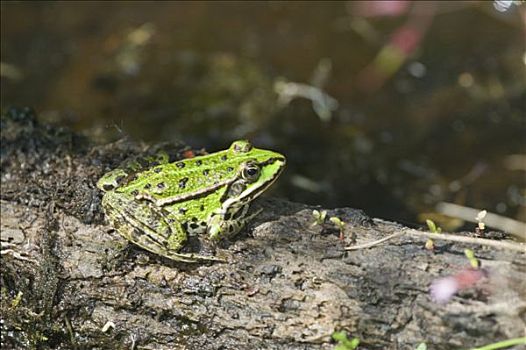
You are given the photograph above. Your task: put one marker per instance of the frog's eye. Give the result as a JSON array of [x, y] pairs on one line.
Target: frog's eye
[[241, 146], [250, 172]]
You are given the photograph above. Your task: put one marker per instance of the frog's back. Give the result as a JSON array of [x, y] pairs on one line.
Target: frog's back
[[198, 177], [185, 177]]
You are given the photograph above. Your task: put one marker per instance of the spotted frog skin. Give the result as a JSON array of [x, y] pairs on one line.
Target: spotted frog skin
[[156, 207]]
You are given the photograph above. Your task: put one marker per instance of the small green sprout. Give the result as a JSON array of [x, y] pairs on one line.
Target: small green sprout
[[421, 346], [473, 261], [433, 227], [338, 223], [319, 217], [343, 342], [480, 217], [430, 245]]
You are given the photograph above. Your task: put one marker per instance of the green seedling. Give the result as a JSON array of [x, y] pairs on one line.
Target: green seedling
[[433, 227], [338, 223], [421, 346], [430, 245], [319, 217], [345, 343], [480, 217], [473, 261]]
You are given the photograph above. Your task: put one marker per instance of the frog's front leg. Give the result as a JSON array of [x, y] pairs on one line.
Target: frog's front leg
[[224, 225], [148, 227]]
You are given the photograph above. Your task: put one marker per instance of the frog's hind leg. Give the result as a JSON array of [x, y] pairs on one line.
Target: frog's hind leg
[[161, 244], [149, 229]]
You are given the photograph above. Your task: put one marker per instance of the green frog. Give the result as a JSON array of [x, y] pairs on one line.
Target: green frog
[[157, 203]]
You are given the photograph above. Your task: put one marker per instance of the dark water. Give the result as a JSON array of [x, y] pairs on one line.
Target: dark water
[[392, 107]]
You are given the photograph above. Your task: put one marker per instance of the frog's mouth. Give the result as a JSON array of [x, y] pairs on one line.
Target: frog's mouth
[[271, 169]]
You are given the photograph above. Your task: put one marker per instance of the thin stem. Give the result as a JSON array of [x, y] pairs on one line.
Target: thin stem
[[446, 237], [503, 344]]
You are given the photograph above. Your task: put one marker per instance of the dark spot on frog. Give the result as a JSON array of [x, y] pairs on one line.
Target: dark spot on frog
[[182, 182], [229, 168], [154, 163], [134, 192], [161, 185], [202, 207], [182, 211], [198, 162], [120, 178], [133, 178], [224, 157], [147, 186], [227, 216], [180, 165], [205, 172], [193, 225], [157, 170], [108, 187], [194, 219]]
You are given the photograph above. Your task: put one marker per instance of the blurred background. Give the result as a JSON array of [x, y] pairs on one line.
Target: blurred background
[[394, 107]]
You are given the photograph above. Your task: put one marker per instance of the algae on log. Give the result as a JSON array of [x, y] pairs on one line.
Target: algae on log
[[70, 282]]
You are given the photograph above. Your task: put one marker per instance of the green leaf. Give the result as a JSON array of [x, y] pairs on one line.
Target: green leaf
[[337, 221], [339, 336], [431, 225], [344, 342], [355, 342], [471, 257]]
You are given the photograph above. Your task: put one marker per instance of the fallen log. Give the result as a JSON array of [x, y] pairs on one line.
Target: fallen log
[[69, 281]]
